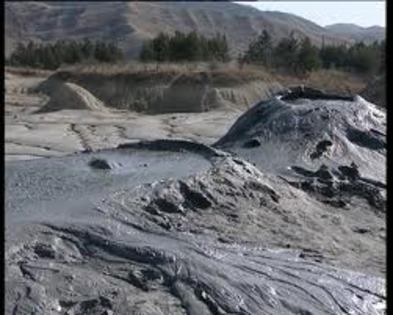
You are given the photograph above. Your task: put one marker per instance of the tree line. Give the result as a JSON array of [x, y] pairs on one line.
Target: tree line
[[53, 55], [185, 47], [297, 55], [301, 56]]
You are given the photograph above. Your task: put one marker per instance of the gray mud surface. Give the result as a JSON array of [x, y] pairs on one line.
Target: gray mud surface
[[329, 145], [46, 188], [175, 227]]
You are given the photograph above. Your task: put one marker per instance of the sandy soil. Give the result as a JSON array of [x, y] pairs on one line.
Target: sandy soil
[[31, 135]]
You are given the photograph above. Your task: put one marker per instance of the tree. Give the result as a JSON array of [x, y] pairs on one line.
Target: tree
[[364, 58], [177, 47], [161, 47], [29, 56], [285, 53], [52, 55], [382, 57], [185, 47], [147, 52], [114, 52], [50, 61], [333, 56], [87, 49], [193, 47], [307, 57], [19, 56], [260, 50], [222, 52]]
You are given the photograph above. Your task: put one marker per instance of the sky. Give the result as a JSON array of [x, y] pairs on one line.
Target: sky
[[362, 13]]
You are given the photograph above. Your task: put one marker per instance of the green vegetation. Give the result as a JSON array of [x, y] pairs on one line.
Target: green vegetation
[[53, 55], [260, 50], [300, 56], [291, 54], [308, 56], [185, 47]]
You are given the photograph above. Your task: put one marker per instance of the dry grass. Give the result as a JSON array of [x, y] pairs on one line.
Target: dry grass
[[225, 74], [329, 80], [219, 74], [25, 71]]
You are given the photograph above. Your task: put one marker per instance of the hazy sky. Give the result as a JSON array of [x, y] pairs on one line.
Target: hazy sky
[[363, 13]]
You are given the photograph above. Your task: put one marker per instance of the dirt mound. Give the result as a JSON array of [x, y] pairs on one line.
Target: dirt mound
[[65, 95], [375, 91], [156, 93], [189, 93]]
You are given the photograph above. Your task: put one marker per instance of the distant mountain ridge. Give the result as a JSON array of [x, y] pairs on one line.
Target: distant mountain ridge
[[358, 33], [131, 23]]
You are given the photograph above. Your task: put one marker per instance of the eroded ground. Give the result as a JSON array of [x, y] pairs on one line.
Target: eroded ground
[[31, 135]]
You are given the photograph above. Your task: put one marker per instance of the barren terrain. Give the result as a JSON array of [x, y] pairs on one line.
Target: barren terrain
[[43, 117], [31, 135], [190, 188], [271, 207]]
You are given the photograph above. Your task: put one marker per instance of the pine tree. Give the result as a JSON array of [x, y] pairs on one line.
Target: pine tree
[[223, 51], [363, 58], [147, 52], [51, 56], [308, 57], [285, 53], [185, 47], [19, 56], [161, 47], [87, 49], [260, 50]]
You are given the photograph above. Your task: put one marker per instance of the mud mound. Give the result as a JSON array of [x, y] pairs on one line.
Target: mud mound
[[376, 91], [309, 128], [332, 147], [187, 234], [65, 95]]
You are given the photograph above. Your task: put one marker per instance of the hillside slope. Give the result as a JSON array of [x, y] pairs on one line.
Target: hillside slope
[[130, 23], [358, 33]]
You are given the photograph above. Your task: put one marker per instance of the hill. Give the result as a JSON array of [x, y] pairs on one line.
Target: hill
[[358, 33], [130, 23]]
